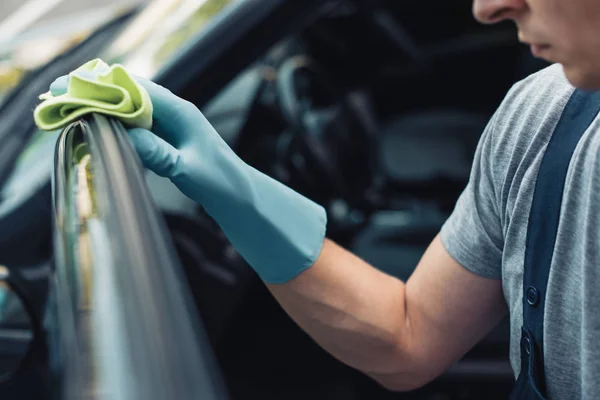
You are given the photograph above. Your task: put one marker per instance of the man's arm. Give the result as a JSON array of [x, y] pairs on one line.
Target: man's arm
[[402, 335]]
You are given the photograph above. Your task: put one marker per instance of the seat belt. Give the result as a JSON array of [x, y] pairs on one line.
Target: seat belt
[[580, 111]]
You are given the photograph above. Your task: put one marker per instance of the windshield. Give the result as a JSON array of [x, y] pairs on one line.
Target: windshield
[[149, 41], [31, 44], [162, 31], [153, 38]]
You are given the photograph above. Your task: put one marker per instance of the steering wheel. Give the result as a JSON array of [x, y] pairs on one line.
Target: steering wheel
[[332, 135]]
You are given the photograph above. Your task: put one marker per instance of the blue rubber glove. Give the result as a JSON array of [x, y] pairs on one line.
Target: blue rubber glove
[[277, 231]]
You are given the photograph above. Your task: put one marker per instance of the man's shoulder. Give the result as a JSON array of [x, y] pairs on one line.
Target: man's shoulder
[[552, 75], [475, 232], [528, 114], [541, 94]]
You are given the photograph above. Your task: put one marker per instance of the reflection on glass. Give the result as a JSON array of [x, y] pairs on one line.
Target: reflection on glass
[[148, 42], [191, 27], [161, 31], [37, 47], [12, 312], [82, 210], [16, 331], [76, 210], [10, 76], [4, 295], [117, 293], [85, 210], [139, 30]]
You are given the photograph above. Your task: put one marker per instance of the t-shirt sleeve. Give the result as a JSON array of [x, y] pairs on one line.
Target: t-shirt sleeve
[[473, 233]]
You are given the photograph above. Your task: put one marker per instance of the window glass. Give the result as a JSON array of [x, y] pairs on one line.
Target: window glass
[[161, 31]]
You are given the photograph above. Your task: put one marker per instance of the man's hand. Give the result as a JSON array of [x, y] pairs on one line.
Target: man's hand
[[180, 142], [278, 231]]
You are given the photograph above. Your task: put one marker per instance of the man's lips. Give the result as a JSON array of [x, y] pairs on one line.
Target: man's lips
[[538, 50]]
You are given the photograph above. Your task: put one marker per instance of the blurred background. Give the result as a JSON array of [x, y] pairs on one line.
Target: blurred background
[[34, 32], [371, 108]]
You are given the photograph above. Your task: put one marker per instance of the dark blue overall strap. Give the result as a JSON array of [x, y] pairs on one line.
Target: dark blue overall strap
[[579, 113]]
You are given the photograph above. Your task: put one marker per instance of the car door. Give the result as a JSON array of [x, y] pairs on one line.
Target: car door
[[121, 323]]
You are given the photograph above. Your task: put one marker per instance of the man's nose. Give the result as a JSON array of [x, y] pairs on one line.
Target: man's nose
[[492, 11]]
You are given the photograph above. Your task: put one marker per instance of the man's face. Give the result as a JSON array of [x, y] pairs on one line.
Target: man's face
[[562, 31]]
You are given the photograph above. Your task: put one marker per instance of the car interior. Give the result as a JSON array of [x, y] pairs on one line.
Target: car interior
[[372, 109]]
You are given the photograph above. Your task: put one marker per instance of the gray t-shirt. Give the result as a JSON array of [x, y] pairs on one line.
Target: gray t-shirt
[[487, 231]]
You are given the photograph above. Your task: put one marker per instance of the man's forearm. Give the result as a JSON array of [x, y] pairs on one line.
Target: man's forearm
[[352, 310], [402, 335]]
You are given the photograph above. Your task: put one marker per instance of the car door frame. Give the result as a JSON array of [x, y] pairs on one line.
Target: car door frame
[[121, 321]]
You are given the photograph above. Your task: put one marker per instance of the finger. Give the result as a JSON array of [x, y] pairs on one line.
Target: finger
[[172, 114], [59, 86], [162, 97], [156, 154]]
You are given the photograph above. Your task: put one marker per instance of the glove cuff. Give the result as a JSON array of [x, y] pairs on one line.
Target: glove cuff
[[279, 232]]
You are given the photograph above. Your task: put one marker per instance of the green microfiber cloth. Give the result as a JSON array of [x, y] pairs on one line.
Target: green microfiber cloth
[[107, 90]]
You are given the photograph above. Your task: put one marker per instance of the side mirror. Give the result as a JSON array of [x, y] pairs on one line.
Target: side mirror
[[17, 327]]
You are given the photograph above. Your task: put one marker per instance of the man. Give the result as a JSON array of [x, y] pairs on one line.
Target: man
[[406, 334]]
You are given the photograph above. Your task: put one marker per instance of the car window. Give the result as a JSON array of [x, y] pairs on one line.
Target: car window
[[40, 43], [161, 31], [118, 284]]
